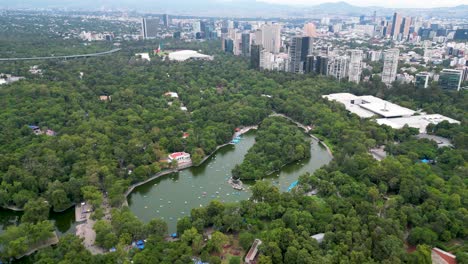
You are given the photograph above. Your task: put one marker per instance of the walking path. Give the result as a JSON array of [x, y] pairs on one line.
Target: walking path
[[306, 129], [87, 232], [64, 56], [53, 240]]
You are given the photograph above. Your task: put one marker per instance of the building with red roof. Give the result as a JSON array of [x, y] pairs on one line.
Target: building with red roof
[[442, 257], [180, 157]]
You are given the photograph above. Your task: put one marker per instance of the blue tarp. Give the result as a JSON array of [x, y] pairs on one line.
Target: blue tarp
[[425, 161], [294, 184], [174, 235]]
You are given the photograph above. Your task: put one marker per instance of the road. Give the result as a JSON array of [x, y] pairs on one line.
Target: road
[[63, 57]]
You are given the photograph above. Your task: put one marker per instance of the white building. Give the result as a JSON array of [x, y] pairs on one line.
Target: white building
[[418, 121], [143, 56], [338, 67], [180, 157], [390, 65], [355, 66], [390, 114], [183, 55]]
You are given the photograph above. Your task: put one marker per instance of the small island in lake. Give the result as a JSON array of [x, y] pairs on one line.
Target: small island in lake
[[278, 142]]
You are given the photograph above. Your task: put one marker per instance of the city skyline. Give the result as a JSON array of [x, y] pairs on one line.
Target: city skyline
[[375, 3]]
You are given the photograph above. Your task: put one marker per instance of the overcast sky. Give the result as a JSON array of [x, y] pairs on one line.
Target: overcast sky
[[384, 3]]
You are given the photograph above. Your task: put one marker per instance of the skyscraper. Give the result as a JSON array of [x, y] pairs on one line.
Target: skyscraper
[[300, 48], [390, 65], [355, 62], [396, 25], [245, 44], [321, 65], [166, 20], [149, 28], [228, 45], [310, 30], [405, 27], [255, 56], [270, 36]]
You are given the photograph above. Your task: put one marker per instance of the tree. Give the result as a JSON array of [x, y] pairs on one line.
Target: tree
[[246, 239], [235, 260], [422, 255], [216, 242], [59, 200], [92, 195], [103, 233], [183, 224], [36, 211], [262, 259], [422, 235], [157, 227]]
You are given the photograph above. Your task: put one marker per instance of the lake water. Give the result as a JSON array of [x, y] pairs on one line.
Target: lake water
[[173, 196], [64, 221]]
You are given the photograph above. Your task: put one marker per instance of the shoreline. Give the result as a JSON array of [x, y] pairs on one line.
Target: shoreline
[[166, 172]]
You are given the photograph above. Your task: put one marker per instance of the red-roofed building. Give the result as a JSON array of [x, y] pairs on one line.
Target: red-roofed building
[[442, 257], [185, 135], [180, 157], [252, 254]]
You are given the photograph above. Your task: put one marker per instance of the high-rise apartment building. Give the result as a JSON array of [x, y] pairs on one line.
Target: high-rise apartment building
[[149, 28], [300, 48], [355, 66], [338, 67], [396, 25], [390, 65], [310, 30]]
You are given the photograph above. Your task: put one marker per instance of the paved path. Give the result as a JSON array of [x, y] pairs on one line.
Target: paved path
[[87, 232], [63, 57]]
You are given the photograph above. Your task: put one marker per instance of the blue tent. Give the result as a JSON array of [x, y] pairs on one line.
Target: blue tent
[[174, 235], [425, 161]]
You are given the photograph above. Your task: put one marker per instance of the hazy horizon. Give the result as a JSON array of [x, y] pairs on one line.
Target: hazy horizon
[[379, 3]]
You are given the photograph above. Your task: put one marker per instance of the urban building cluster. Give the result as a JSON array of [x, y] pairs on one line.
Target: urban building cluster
[[436, 51]]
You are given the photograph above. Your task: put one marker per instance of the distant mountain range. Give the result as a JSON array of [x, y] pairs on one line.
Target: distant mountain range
[[228, 8]]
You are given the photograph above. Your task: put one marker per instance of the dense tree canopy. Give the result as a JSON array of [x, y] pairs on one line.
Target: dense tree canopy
[[277, 143], [369, 210]]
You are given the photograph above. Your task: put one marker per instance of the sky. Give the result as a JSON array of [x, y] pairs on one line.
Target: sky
[[383, 3]]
